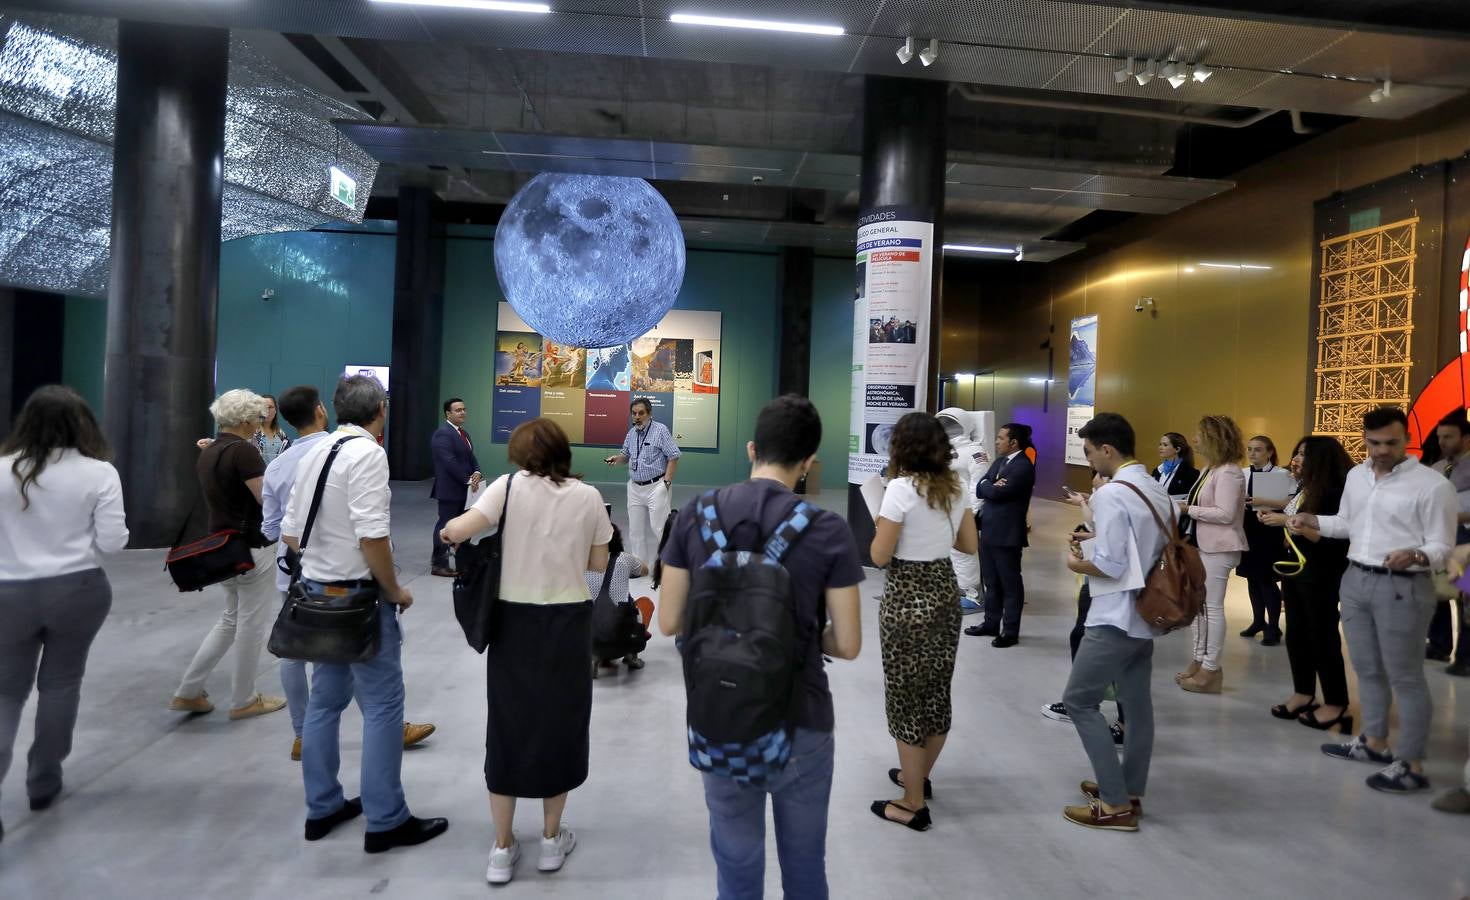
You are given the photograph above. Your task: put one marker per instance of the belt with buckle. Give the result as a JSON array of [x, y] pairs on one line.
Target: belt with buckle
[[649, 481], [1380, 570]]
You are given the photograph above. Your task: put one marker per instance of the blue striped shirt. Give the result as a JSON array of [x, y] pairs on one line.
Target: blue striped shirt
[[649, 451]]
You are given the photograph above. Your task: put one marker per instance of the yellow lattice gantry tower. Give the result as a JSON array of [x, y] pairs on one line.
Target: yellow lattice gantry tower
[[1365, 326]]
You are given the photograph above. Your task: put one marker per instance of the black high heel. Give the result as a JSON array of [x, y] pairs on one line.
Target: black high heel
[[920, 822], [928, 785], [1254, 629], [1343, 720], [1282, 711]]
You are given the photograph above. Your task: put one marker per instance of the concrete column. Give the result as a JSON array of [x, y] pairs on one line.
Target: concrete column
[[418, 331]]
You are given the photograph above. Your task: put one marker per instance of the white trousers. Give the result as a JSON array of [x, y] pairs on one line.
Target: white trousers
[[1209, 627], [244, 624], [648, 509], [966, 572]]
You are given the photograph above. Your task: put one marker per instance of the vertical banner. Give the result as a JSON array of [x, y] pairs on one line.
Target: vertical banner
[[1081, 384], [890, 350]]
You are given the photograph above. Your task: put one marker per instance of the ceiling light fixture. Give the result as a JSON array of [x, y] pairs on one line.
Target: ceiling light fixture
[[973, 248], [1202, 73], [1383, 92], [1020, 253], [1123, 73], [757, 24], [1175, 74], [959, 375], [1149, 71], [489, 5], [1039, 380], [1237, 266], [906, 52], [929, 54]]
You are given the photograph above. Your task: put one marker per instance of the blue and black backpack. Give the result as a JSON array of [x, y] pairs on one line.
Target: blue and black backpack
[[744, 650]]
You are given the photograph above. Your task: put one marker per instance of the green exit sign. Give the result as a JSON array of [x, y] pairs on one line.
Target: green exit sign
[[344, 188], [1364, 220]]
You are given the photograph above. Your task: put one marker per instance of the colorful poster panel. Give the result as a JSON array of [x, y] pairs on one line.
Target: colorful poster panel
[[513, 405], [610, 368], [563, 366], [663, 407], [697, 420], [566, 407], [518, 359], [655, 364], [706, 367], [606, 417]]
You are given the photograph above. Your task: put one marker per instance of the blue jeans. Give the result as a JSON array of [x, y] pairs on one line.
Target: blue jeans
[[737, 824], [378, 687], [298, 692]]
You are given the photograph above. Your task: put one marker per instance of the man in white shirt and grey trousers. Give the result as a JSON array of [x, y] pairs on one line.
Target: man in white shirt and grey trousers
[[1118, 645], [1399, 519]]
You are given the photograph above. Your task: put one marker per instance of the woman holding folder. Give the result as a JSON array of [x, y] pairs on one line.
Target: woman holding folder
[[1266, 484]]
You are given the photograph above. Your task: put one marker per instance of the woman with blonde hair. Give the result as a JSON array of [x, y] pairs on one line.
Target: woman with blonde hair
[[924, 515], [1216, 511]]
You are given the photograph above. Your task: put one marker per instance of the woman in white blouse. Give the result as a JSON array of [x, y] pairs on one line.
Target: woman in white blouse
[[539, 687], [922, 518], [61, 506]]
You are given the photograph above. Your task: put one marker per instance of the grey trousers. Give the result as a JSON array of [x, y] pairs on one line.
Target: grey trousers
[[50, 623], [1107, 655], [1384, 618]]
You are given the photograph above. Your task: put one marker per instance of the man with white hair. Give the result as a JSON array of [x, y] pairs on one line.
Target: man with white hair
[[231, 472], [969, 464]]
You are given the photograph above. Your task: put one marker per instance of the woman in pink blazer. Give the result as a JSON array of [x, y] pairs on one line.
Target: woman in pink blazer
[[1216, 511]]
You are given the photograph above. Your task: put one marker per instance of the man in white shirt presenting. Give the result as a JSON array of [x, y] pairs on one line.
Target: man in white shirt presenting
[[1118, 645], [1399, 519], [350, 547]]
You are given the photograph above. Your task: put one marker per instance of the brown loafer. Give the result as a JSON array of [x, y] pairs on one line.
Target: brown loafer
[[412, 733], [260, 706], [199, 704], [1092, 792], [296, 750], [1094, 816]]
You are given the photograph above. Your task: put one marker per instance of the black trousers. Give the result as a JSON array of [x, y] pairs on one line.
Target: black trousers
[[1000, 572], [1084, 605], [1313, 643], [448, 509], [1265, 600]]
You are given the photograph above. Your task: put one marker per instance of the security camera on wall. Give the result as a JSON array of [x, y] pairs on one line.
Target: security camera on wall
[[1143, 303]]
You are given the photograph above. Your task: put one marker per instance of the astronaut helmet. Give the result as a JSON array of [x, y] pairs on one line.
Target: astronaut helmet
[[958, 423]]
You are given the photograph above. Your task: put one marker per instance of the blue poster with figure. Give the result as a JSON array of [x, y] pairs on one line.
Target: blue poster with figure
[[1081, 383]]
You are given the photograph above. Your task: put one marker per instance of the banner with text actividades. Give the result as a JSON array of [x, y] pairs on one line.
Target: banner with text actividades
[[890, 331]]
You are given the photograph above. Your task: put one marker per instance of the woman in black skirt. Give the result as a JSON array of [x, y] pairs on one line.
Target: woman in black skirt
[[539, 688], [924, 514]]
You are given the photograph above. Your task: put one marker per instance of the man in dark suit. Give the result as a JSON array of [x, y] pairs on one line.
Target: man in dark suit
[[456, 473], [1006, 492]]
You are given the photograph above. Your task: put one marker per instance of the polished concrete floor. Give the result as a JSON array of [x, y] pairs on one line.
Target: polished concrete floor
[[1240, 805]]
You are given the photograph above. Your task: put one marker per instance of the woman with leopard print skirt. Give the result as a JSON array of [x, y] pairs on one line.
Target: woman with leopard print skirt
[[923, 516]]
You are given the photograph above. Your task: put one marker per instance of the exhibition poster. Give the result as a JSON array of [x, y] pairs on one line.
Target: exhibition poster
[[1081, 384], [676, 366], [890, 351]]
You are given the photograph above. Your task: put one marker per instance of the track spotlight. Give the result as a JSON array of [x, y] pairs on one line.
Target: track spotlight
[[1174, 73], [906, 52], [929, 54], [1125, 72], [1148, 74], [1202, 73], [1383, 92]]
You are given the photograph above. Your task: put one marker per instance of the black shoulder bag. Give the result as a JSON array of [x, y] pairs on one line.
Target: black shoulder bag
[[477, 586], [211, 559], [336, 622]]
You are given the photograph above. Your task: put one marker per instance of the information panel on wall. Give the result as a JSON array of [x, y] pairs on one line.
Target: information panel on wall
[[1081, 384], [890, 341], [676, 366]]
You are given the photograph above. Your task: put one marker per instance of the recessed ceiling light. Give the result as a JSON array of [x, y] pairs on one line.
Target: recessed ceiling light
[[1189, 270], [489, 5], [972, 248], [757, 24]]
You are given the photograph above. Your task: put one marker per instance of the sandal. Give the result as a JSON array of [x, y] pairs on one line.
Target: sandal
[[1282, 711], [920, 822]]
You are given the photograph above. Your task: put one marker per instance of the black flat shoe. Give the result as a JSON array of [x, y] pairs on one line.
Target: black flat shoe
[[1005, 640], [38, 803], [920, 821], [928, 785], [316, 829], [1282, 711], [1343, 721], [411, 832], [1272, 638], [1255, 629], [982, 631]]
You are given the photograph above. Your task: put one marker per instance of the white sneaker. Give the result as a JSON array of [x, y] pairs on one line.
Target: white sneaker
[[503, 864], [554, 851]]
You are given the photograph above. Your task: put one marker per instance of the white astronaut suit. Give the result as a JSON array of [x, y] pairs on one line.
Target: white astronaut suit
[[971, 462]]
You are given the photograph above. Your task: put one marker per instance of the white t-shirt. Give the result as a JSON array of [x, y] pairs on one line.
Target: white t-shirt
[[927, 533], [76, 513], [551, 530]]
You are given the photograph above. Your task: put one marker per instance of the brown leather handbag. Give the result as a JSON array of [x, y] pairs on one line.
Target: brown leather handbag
[[1173, 592]]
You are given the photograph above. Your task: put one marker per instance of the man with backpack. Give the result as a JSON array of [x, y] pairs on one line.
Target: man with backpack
[[1118, 645], [752, 628]]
